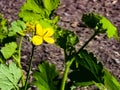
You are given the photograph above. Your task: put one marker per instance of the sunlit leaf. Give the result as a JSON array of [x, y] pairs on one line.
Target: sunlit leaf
[[93, 20], [29, 15], [9, 76], [16, 27], [51, 4], [9, 49], [46, 23], [45, 78], [37, 9], [111, 29], [110, 81]]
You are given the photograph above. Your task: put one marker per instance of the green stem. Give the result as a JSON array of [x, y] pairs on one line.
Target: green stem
[[30, 67], [67, 66], [19, 65], [19, 50], [86, 43], [18, 60], [69, 62]]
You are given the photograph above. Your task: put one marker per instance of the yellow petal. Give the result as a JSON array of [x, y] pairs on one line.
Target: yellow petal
[[49, 40], [49, 32], [37, 40], [39, 30]]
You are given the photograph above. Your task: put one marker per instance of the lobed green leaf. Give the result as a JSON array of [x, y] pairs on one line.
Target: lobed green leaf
[[9, 76], [9, 49], [66, 39], [91, 19], [111, 30], [37, 9], [88, 71], [99, 22], [16, 27], [45, 78]]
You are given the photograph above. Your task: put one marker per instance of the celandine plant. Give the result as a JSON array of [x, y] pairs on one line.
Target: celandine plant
[[38, 24]]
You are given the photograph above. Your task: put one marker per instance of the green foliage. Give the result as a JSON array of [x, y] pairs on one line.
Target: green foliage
[[88, 71], [16, 27], [48, 23], [111, 29], [110, 82], [3, 28], [2, 59], [99, 22], [45, 78], [9, 76], [66, 39], [9, 49], [45, 23], [91, 19], [36, 9], [28, 15], [51, 4]]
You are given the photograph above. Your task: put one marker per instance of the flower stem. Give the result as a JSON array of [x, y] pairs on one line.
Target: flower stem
[[30, 67], [69, 62], [18, 60], [67, 66], [86, 43]]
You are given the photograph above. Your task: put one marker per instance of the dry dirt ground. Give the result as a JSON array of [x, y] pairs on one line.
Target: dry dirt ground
[[70, 12]]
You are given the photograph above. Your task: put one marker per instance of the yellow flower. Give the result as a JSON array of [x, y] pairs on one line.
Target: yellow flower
[[30, 28], [43, 34]]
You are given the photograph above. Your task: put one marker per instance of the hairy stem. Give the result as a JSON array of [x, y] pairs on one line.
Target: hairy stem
[[67, 66], [86, 43], [19, 50], [18, 60], [30, 67], [69, 62]]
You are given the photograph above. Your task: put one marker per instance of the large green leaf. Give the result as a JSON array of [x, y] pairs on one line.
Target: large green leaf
[[45, 78], [16, 27], [91, 63], [88, 70], [29, 15], [9, 76], [36, 9], [96, 21], [9, 49]]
